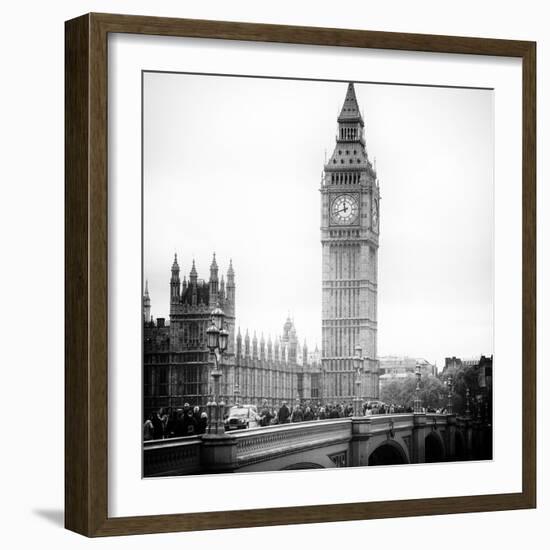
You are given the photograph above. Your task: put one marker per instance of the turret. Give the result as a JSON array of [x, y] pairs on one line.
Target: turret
[[255, 346], [146, 304], [269, 349], [247, 344], [239, 343], [221, 293], [213, 283], [175, 281], [193, 284], [262, 348], [286, 329], [304, 354], [290, 340], [193, 274], [230, 287]]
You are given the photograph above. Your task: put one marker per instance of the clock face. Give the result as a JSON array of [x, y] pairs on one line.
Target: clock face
[[344, 209]]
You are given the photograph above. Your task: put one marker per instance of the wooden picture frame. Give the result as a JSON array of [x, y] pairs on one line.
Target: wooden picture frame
[[86, 280]]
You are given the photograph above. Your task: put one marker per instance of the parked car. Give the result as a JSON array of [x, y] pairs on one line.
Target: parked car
[[241, 417]]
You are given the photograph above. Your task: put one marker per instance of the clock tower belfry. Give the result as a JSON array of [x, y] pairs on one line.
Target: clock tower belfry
[[350, 199]]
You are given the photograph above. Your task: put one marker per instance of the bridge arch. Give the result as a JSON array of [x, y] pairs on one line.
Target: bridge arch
[[387, 453], [303, 466], [434, 447]]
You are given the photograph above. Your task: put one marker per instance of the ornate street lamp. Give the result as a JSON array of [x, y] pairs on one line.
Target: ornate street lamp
[[217, 315], [217, 339], [417, 405], [236, 392], [358, 363], [450, 395]]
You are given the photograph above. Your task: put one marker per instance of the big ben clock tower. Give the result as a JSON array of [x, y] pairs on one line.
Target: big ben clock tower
[[349, 238]]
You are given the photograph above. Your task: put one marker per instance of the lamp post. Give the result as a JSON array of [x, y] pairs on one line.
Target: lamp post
[[450, 395], [217, 339], [236, 392], [358, 363], [417, 406]]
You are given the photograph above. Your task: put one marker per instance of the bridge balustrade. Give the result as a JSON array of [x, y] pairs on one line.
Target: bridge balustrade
[[261, 444], [288, 444]]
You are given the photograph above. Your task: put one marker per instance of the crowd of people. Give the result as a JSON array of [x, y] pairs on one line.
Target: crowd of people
[[177, 423], [309, 411], [192, 421]]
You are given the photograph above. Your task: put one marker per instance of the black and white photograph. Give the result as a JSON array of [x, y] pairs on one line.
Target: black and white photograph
[[318, 274], [281, 247]]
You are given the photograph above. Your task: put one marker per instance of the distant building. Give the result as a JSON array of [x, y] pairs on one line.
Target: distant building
[[399, 367], [177, 363], [483, 364]]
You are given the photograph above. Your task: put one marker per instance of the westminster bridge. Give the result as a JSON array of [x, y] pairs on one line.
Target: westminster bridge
[[357, 441]]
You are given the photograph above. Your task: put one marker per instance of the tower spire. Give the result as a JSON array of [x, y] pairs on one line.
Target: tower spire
[[214, 268], [230, 273], [175, 281], [213, 290], [193, 274], [350, 109], [146, 303], [230, 287]]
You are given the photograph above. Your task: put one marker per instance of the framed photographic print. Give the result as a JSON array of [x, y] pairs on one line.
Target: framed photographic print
[[301, 259]]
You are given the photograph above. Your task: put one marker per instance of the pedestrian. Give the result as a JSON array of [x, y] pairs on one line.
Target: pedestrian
[[148, 429], [163, 414], [170, 429], [197, 414], [158, 426], [203, 423], [297, 414], [284, 414], [190, 424], [265, 415]]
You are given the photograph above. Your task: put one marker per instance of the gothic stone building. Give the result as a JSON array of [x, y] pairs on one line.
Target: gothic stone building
[[350, 198], [177, 363]]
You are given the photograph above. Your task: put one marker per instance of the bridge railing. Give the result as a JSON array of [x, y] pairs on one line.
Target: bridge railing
[[184, 455], [176, 456], [259, 444], [383, 422]]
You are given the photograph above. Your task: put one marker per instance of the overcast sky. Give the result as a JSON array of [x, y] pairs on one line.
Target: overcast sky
[[232, 165]]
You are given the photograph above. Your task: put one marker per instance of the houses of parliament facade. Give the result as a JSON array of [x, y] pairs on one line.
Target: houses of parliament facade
[[176, 361]]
